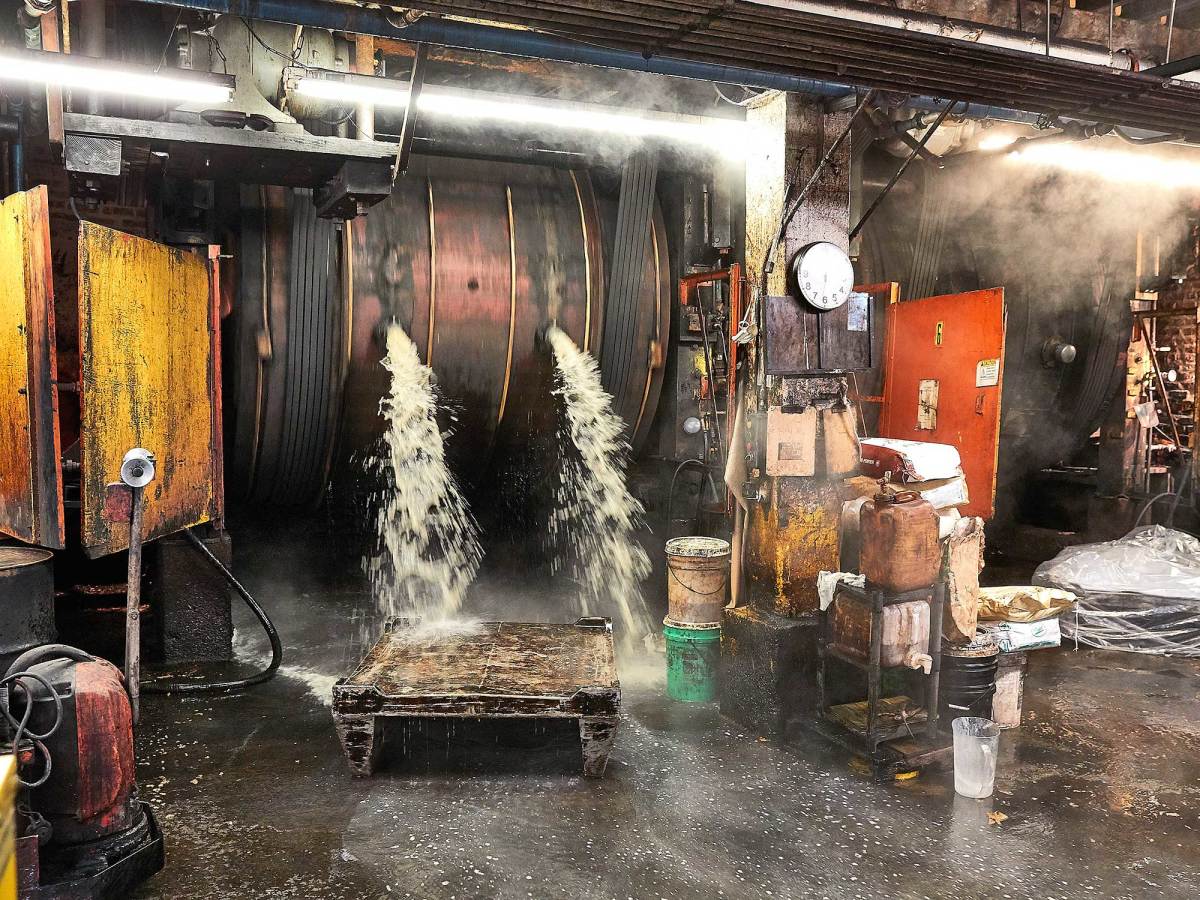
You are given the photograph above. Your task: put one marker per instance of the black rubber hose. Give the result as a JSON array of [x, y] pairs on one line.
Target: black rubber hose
[[198, 687], [671, 490], [31, 658]]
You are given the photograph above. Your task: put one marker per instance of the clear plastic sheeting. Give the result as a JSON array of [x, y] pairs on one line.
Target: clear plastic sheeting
[[1153, 561], [1140, 593]]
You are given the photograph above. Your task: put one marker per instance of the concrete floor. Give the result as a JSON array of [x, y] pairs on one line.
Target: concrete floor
[[1097, 795]]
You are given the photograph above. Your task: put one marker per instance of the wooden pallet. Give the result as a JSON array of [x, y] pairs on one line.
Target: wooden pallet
[[483, 670]]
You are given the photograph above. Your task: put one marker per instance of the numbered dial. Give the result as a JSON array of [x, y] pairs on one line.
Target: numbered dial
[[824, 275]]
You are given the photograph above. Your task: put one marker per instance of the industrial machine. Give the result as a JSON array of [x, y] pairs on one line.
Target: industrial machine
[[243, 249], [83, 831]]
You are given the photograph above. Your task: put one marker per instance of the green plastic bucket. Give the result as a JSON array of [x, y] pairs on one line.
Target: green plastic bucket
[[693, 654]]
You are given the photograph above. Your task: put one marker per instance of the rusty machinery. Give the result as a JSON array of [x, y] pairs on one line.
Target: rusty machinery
[[473, 258], [801, 423]]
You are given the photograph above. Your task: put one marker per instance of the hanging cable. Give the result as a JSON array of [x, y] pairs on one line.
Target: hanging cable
[[790, 209], [916, 150], [671, 490]]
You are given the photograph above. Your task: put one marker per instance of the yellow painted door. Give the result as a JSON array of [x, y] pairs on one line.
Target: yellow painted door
[[148, 355], [31, 507]]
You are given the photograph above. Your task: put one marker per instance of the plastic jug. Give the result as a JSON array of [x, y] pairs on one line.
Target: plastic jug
[[975, 743], [899, 545]]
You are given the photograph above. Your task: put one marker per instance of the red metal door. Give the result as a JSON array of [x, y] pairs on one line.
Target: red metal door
[[943, 370]]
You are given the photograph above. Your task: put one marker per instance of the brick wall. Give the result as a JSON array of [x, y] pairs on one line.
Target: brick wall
[[1179, 332]]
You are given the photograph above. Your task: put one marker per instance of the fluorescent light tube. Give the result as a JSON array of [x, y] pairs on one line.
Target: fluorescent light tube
[[1131, 166], [726, 135], [64, 70]]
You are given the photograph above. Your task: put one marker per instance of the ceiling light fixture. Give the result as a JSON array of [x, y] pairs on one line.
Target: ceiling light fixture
[[63, 70], [1112, 164], [996, 141], [725, 135]]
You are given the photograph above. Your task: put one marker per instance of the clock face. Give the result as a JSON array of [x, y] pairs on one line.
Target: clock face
[[824, 275]]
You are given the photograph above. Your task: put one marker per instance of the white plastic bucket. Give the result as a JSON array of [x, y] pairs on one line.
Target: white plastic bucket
[[976, 741]]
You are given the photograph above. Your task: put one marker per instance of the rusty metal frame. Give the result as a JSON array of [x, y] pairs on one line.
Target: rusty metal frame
[[33, 514]]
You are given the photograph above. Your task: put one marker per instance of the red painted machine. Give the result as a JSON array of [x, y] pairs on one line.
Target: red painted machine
[[85, 833]]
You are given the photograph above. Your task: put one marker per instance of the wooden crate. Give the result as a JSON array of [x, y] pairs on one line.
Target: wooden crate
[[479, 671]]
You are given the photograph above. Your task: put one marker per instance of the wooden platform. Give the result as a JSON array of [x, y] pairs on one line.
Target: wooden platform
[[483, 670]]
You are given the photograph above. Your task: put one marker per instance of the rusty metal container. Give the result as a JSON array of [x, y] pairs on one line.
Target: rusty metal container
[[26, 601], [697, 580], [905, 639], [900, 548], [473, 258]]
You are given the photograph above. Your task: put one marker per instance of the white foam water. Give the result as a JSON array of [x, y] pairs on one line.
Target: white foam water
[[594, 514], [427, 549]]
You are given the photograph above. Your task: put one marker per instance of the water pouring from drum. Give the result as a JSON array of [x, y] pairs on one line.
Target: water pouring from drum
[[595, 516], [426, 551]]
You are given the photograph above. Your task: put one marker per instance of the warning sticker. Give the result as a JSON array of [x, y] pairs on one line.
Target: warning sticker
[[987, 373], [927, 405]]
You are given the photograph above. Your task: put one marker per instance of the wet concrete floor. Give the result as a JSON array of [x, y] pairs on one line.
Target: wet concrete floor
[[1098, 795]]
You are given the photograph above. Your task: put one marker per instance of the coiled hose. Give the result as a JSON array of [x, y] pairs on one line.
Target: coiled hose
[[237, 684], [19, 728]]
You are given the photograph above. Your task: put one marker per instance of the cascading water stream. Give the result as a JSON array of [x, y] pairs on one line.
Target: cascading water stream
[[427, 549], [594, 513]]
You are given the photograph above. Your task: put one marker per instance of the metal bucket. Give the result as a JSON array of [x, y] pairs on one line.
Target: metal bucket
[[693, 658], [697, 579], [967, 681], [26, 601]]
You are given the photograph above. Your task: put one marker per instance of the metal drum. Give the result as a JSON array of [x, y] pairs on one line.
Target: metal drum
[[26, 601], [474, 258]]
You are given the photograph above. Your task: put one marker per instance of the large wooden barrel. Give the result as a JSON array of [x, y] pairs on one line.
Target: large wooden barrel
[[474, 258]]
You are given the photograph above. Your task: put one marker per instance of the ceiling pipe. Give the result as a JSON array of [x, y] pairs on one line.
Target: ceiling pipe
[[955, 29], [92, 40], [538, 45]]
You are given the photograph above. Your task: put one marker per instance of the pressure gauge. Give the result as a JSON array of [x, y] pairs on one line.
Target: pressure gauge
[[824, 275]]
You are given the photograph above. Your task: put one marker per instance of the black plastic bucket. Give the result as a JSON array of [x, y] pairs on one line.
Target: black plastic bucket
[[968, 682]]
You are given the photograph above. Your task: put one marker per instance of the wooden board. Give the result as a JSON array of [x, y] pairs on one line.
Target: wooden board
[[957, 342], [483, 670], [147, 355], [801, 340], [31, 507]]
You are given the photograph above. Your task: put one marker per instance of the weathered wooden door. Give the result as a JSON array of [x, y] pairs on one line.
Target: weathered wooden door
[[943, 369], [31, 506], [150, 378]]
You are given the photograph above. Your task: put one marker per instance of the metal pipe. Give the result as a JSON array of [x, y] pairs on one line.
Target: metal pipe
[[13, 131], [133, 604], [416, 81], [537, 45], [954, 29], [920, 146], [92, 25]]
